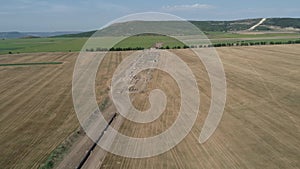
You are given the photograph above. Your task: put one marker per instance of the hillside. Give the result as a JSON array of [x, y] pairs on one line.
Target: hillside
[[130, 28], [12, 35], [16, 34], [77, 35], [225, 26], [282, 24]]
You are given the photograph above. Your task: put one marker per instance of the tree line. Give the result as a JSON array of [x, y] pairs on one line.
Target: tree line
[[242, 43]]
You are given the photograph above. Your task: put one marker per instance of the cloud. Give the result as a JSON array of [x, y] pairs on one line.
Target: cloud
[[187, 7]]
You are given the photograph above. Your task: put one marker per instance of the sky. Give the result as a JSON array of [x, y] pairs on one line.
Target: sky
[[84, 15]]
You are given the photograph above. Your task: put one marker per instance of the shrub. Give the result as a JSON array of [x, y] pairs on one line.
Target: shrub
[[297, 41], [263, 43], [185, 46]]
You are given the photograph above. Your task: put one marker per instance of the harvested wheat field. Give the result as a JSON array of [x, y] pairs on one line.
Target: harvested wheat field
[[259, 127], [36, 107]]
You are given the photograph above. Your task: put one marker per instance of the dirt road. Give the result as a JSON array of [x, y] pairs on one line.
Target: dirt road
[[259, 23]]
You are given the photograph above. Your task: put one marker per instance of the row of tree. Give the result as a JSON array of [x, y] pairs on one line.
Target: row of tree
[[251, 43], [131, 48], [175, 47], [114, 49], [242, 43]]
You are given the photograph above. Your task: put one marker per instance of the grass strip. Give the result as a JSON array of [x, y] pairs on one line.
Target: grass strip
[[30, 64]]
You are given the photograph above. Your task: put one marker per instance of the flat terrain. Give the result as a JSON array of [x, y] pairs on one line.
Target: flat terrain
[[75, 44], [36, 110], [260, 125], [41, 45], [259, 128]]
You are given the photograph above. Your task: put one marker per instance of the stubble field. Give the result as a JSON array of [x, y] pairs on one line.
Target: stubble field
[[259, 128]]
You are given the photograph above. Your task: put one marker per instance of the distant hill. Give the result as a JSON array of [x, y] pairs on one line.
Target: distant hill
[[82, 34], [282, 24], [225, 26], [15, 34], [175, 27], [179, 27], [129, 28], [12, 35]]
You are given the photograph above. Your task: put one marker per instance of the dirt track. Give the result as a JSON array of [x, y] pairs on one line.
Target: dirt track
[[259, 128]]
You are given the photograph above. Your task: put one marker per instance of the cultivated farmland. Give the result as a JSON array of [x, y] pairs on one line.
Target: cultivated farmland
[[259, 128], [260, 125], [36, 107]]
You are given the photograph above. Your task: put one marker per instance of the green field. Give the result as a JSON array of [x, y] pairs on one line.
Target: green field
[[148, 41], [75, 44], [41, 45], [144, 41], [218, 35]]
